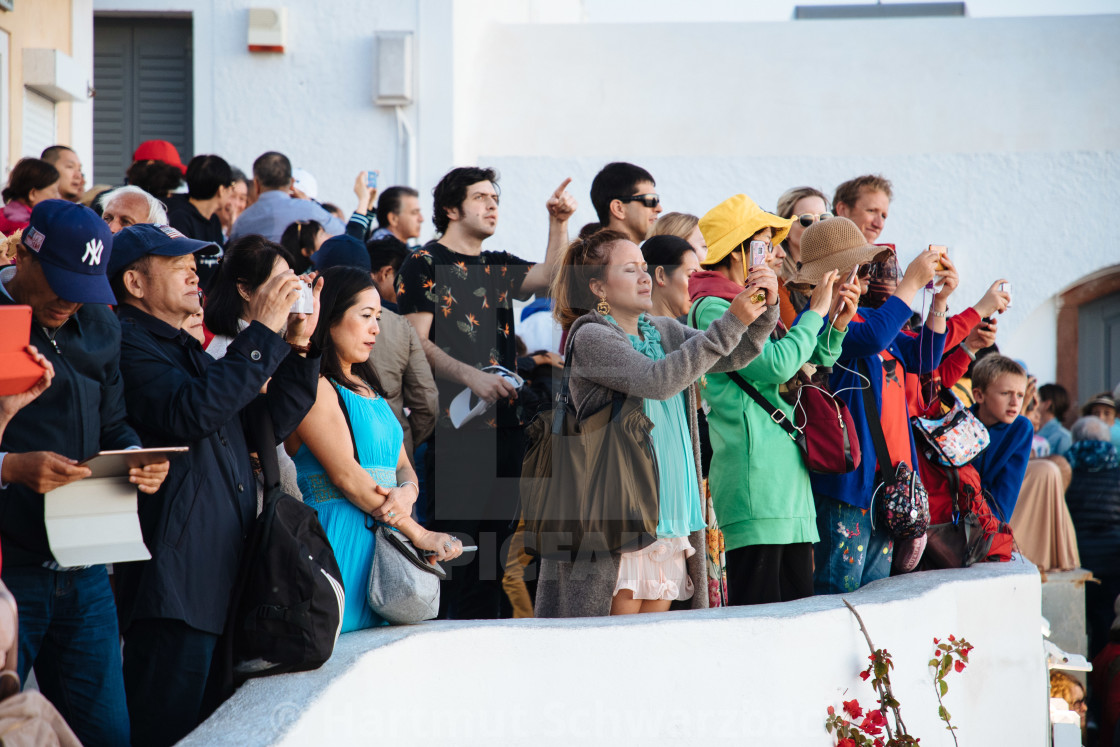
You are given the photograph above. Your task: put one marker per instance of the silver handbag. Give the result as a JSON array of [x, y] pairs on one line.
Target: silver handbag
[[403, 585]]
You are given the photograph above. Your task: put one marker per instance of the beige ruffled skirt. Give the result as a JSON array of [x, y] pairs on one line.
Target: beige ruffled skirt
[[658, 572]]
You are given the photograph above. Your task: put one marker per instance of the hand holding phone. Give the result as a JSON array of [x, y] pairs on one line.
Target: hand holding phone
[[758, 258], [941, 250], [305, 304]]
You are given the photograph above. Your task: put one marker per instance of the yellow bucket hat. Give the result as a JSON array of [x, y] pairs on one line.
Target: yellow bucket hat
[[734, 221]]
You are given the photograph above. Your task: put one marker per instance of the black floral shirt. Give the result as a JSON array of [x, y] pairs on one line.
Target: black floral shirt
[[471, 302]]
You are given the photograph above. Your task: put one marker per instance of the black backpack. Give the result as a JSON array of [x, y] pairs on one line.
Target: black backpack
[[287, 604]]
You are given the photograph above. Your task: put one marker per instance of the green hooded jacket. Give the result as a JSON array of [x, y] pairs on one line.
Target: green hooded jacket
[[759, 482]]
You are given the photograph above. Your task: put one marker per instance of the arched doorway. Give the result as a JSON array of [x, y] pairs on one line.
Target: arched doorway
[[1089, 335]]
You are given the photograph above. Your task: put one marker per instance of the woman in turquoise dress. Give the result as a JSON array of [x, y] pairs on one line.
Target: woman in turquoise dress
[[382, 483]]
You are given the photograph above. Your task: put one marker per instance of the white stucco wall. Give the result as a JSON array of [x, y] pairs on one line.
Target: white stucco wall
[[996, 133], [1001, 135], [314, 102], [745, 675]]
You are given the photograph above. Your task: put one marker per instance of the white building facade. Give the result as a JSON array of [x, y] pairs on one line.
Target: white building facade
[[1001, 134]]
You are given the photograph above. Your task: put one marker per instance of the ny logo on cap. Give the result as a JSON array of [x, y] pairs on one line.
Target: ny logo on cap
[[94, 247]]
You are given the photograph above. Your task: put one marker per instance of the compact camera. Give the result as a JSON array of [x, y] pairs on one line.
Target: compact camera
[[305, 304]]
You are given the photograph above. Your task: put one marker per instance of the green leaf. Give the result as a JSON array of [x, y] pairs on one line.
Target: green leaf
[[933, 663], [946, 663], [944, 714], [944, 686], [480, 292]]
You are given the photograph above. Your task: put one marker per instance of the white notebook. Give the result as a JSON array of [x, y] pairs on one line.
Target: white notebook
[[94, 521]]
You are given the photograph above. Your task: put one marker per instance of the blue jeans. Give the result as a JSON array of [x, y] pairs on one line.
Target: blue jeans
[[850, 553], [68, 633]]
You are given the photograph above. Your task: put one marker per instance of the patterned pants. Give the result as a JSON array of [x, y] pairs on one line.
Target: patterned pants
[[850, 553]]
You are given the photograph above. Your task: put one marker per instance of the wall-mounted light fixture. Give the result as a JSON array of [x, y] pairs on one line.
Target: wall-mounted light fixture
[[268, 29]]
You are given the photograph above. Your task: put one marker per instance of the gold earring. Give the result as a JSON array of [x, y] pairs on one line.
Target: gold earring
[[603, 307]]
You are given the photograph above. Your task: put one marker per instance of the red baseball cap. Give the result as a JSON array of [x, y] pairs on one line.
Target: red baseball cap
[[159, 150]]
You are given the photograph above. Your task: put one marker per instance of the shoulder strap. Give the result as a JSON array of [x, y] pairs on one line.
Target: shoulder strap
[[560, 406], [618, 399], [346, 415], [775, 414], [954, 478], [875, 422], [266, 450]]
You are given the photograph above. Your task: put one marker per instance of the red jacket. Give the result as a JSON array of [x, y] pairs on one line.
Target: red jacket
[[952, 368]]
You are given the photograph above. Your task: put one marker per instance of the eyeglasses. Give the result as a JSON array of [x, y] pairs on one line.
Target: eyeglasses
[[865, 269], [809, 219], [650, 200]]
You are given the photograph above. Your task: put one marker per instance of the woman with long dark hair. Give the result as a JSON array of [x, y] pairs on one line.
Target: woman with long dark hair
[[248, 266], [303, 238], [380, 482], [31, 181]]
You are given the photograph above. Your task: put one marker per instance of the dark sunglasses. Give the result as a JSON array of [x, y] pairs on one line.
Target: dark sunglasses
[[809, 219], [650, 200], [885, 270]]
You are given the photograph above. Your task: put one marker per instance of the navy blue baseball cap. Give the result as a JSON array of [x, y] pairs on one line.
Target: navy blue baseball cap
[[341, 251], [142, 239], [74, 247]]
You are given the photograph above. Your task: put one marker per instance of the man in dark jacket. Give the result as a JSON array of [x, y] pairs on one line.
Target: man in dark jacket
[[173, 607], [67, 618]]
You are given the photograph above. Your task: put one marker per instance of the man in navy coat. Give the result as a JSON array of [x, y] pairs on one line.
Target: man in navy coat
[[173, 607], [67, 619]]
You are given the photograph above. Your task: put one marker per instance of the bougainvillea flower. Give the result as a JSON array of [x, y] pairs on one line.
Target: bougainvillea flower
[[851, 707]]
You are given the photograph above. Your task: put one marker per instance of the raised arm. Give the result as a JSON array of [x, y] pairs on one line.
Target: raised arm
[[561, 206], [603, 354]]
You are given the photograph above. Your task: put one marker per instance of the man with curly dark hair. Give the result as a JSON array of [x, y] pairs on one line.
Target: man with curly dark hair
[[460, 300]]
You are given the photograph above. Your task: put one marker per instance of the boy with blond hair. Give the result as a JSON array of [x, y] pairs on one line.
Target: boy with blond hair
[[998, 387]]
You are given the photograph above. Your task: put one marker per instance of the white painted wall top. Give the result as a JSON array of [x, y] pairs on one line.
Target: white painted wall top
[[761, 675]]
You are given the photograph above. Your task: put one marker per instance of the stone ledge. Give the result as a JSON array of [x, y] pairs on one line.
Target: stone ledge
[[741, 673]]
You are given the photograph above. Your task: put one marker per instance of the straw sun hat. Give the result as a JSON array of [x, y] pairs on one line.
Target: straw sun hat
[[734, 221], [833, 244]]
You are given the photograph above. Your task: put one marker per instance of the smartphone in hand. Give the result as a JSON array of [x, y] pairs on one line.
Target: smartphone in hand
[[943, 251], [371, 178], [758, 257]]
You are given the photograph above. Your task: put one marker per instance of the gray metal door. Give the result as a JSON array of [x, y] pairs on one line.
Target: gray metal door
[[1098, 346], [142, 74]]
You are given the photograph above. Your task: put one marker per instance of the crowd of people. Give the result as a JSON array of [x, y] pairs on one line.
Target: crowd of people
[[169, 311]]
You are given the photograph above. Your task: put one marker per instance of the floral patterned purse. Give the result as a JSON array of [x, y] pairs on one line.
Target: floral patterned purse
[[955, 438], [904, 505]]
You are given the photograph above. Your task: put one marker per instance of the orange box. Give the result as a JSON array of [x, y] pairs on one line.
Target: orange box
[[18, 370]]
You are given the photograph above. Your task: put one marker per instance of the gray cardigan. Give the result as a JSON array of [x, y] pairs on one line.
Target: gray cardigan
[[604, 361]]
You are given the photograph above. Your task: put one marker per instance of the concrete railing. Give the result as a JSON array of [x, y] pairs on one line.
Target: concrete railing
[[743, 675]]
